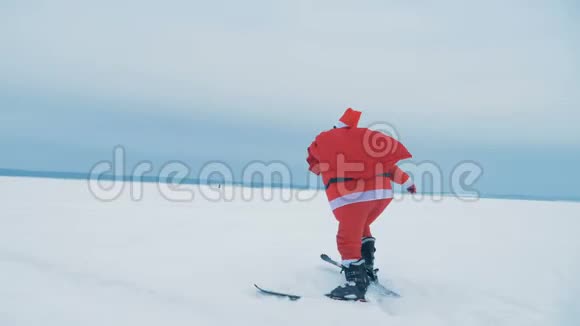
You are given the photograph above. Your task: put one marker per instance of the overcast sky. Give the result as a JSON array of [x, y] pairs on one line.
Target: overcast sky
[[482, 80]]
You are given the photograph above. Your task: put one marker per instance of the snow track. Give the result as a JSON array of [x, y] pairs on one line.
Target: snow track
[[69, 259]]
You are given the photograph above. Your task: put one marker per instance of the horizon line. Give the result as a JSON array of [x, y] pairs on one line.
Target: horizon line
[[67, 175]]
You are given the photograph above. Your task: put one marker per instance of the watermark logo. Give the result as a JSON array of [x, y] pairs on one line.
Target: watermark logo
[[374, 142], [176, 181]]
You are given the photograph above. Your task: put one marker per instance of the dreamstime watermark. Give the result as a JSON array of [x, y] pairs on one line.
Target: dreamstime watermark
[[214, 181], [375, 145]]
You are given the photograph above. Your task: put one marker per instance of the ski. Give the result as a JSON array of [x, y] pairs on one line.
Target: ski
[[331, 261], [382, 289], [292, 297], [385, 291]]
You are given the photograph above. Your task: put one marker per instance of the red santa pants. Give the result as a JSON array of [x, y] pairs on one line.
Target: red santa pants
[[354, 224]]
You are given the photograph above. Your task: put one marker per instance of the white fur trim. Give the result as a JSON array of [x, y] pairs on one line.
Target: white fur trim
[[340, 124], [357, 197], [408, 183], [347, 262], [368, 239]]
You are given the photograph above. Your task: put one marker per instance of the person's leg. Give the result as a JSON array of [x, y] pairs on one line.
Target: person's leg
[[378, 206], [352, 219], [368, 241]]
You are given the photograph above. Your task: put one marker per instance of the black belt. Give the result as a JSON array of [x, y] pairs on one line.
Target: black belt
[[337, 180]]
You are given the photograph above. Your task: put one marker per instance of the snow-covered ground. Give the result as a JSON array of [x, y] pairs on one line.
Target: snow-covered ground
[[69, 259]]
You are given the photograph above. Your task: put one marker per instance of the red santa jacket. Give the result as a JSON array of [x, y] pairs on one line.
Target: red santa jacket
[[357, 164]]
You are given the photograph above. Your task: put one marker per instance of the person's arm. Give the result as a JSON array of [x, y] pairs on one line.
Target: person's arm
[[401, 177], [312, 159]]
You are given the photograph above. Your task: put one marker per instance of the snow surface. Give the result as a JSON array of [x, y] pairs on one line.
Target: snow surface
[[69, 259]]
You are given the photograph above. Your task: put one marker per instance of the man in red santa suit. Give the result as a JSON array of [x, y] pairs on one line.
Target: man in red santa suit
[[357, 167]]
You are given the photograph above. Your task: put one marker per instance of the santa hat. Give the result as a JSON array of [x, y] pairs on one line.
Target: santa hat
[[349, 119]]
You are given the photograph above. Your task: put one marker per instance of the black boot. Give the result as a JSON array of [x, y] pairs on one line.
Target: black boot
[[368, 254], [357, 283]]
